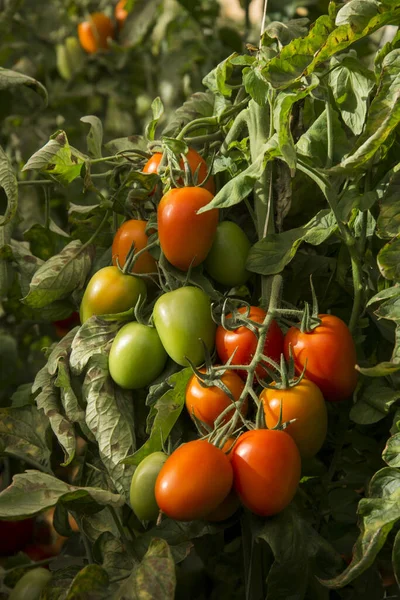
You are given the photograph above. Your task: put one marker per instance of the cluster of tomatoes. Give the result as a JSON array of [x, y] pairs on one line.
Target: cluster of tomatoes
[[260, 468], [95, 33]]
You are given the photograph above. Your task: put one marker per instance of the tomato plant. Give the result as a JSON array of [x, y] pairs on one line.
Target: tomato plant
[[304, 403], [206, 403], [142, 492], [186, 498], [241, 342], [94, 33], [183, 322], [266, 470], [328, 354], [226, 261], [137, 356], [110, 291], [121, 14], [30, 586], [197, 166], [185, 236], [133, 232]]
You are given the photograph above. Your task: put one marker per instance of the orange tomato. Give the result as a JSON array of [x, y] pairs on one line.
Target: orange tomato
[[93, 34], [133, 231], [305, 403], [207, 403], [226, 509], [120, 13], [186, 237]]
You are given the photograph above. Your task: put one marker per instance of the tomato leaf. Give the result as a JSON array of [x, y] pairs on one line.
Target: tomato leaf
[[380, 370], [200, 104], [139, 21], [8, 182], [60, 275], [158, 109], [24, 433], [271, 254], [216, 80], [154, 577], [48, 401], [110, 552], [378, 514], [93, 337], [33, 492], [286, 32], [389, 260], [164, 414], [388, 222], [374, 403], [95, 136], [255, 84], [109, 416], [92, 580], [13, 79], [391, 453]]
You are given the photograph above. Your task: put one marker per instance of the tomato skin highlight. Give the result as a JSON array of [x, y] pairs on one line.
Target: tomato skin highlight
[[331, 357], [94, 33], [142, 494], [133, 231], [110, 291], [226, 261], [30, 586], [266, 468], [181, 318], [137, 356], [207, 403], [244, 341], [305, 403], [186, 237], [194, 159], [194, 480]]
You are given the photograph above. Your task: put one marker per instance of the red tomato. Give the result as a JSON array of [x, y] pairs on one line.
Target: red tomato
[[305, 403], [207, 403], [93, 34], [226, 509], [14, 535], [244, 341], [186, 237], [193, 481], [266, 470], [133, 231], [194, 160], [65, 325], [330, 353], [120, 13]]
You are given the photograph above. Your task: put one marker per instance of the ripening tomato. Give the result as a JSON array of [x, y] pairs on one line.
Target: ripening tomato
[[185, 236], [193, 481], [15, 535], [182, 319], [226, 261], [305, 403], [65, 325], [244, 341], [110, 292], [137, 356], [121, 14], [133, 232], [94, 33], [207, 403], [330, 353], [194, 160], [266, 470], [30, 586], [142, 494]]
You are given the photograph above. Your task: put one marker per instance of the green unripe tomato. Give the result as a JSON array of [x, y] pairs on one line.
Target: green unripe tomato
[[137, 356], [110, 292], [30, 586], [226, 261], [183, 318], [142, 496]]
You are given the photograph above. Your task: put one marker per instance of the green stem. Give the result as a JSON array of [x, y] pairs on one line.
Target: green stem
[[96, 233], [33, 565], [94, 161], [329, 121], [358, 287], [46, 209], [204, 139], [127, 543], [212, 121], [235, 131]]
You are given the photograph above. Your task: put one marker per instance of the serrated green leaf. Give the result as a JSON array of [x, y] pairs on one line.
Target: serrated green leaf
[[313, 144], [255, 84], [91, 581], [112, 555], [60, 275], [271, 254], [389, 260], [216, 80], [33, 492], [164, 414], [200, 104], [388, 222], [24, 434], [374, 403], [94, 138], [157, 108], [286, 32], [139, 21], [391, 453], [93, 337], [380, 370], [13, 79], [8, 182], [109, 416]]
